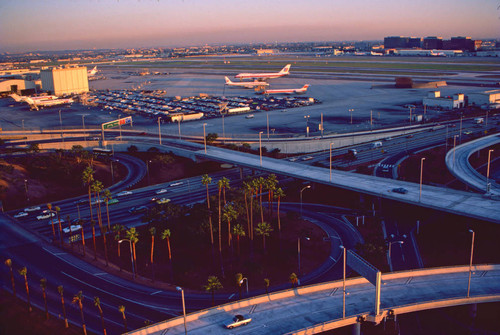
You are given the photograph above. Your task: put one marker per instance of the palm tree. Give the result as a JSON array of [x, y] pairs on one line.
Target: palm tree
[[49, 206], [60, 225], [121, 308], [152, 231], [88, 178], [247, 189], [239, 279], [8, 262], [213, 284], [92, 223], [293, 279], [43, 285], [238, 231], [133, 236], [81, 222], [225, 184], [260, 184], [228, 215], [270, 184], [266, 284], [220, 184], [97, 303], [279, 194], [60, 289], [118, 229], [24, 272], [264, 229], [206, 180], [165, 235], [78, 298], [107, 197], [97, 187]]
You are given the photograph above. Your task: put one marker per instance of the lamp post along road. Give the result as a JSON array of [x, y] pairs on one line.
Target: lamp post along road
[[84, 134], [159, 130], [390, 244], [178, 288], [331, 162], [421, 171], [260, 147], [204, 137], [488, 171], [470, 263], [454, 145], [131, 256], [343, 280], [308, 186]]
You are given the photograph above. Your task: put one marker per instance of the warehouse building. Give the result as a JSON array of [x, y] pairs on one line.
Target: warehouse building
[[19, 86], [486, 98], [434, 99], [65, 81]]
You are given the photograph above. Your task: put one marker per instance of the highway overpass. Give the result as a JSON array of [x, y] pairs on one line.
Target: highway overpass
[[317, 308]]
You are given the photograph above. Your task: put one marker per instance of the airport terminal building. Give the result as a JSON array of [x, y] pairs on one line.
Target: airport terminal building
[[65, 81]]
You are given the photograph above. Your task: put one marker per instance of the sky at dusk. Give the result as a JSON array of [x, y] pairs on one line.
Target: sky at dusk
[[31, 25]]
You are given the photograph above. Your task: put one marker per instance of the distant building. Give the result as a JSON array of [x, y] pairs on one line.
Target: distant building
[[485, 98], [460, 43], [395, 42], [19, 86], [432, 42], [263, 52], [64, 81], [434, 99], [414, 42]]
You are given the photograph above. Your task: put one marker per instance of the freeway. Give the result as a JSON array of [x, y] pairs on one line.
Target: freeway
[[317, 308], [457, 161]]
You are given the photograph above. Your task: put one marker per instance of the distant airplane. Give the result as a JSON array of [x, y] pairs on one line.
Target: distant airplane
[[301, 90], [263, 76], [247, 84], [45, 101], [92, 72]]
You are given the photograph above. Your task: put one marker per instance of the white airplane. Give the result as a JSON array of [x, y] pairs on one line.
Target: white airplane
[[301, 90], [248, 84], [263, 76], [92, 72]]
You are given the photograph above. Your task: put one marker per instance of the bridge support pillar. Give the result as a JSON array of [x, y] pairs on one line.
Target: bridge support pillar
[[356, 328]]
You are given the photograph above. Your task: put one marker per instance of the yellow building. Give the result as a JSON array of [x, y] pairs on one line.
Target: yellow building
[[64, 81]]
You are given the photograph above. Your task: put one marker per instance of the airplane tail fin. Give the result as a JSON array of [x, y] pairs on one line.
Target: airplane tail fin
[[227, 80], [286, 69], [305, 87]]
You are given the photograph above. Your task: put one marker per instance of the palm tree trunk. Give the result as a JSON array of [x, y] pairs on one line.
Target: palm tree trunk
[[93, 239], [53, 228], [12, 281], [261, 209], [152, 260], [135, 259], [27, 292], [246, 208], [60, 229], [44, 294], [83, 239], [124, 320], [84, 327], [66, 325], [102, 321]]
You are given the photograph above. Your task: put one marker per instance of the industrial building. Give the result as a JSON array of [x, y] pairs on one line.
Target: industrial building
[[486, 98], [19, 86], [434, 99], [65, 81]]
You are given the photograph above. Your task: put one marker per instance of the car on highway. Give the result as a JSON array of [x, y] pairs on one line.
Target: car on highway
[[72, 229], [306, 158], [293, 159], [32, 209], [162, 201], [236, 321], [139, 209], [163, 190], [123, 193], [467, 132], [176, 184], [113, 201], [45, 216], [20, 214], [400, 190]]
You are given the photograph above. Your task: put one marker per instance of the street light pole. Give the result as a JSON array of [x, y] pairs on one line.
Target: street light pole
[[260, 147], [84, 134], [204, 137], [454, 145], [159, 130], [390, 244], [60, 125], [131, 256], [307, 124], [343, 280], [421, 172], [308, 186], [179, 126], [488, 171], [331, 162], [350, 111], [470, 264], [178, 288], [26, 190]]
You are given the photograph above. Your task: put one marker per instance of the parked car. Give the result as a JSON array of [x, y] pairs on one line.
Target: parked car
[[236, 321], [400, 190], [123, 193], [20, 214]]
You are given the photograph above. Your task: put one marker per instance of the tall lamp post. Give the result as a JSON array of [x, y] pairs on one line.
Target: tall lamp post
[[390, 244], [343, 281], [241, 282], [421, 171], [60, 125], [488, 171], [26, 190], [331, 162], [204, 137], [350, 111], [159, 130], [84, 134], [307, 124], [470, 263], [298, 250], [131, 256], [454, 145], [178, 288], [260, 147], [308, 186]]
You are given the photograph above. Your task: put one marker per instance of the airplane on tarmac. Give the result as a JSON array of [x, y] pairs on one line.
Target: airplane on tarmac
[[92, 72], [301, 90], [247, 84], [263, 76]]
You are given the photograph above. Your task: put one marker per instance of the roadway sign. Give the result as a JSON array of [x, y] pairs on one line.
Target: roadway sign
[[362, 267], [116, 123]]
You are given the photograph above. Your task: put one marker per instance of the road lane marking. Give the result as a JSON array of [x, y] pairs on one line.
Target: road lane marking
[[231, 296], [100, 274], [155, 292], [333, 292], [252, 309]]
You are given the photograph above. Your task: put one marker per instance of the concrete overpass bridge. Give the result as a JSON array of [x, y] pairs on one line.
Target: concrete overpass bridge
[[317, 308]]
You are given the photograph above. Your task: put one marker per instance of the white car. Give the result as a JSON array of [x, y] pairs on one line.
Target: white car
[[163, 190], [57, 221], [32, 209], [123, 193], [45, 216], [238, 320], [176, 184], [20, 215], [73, 229]]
